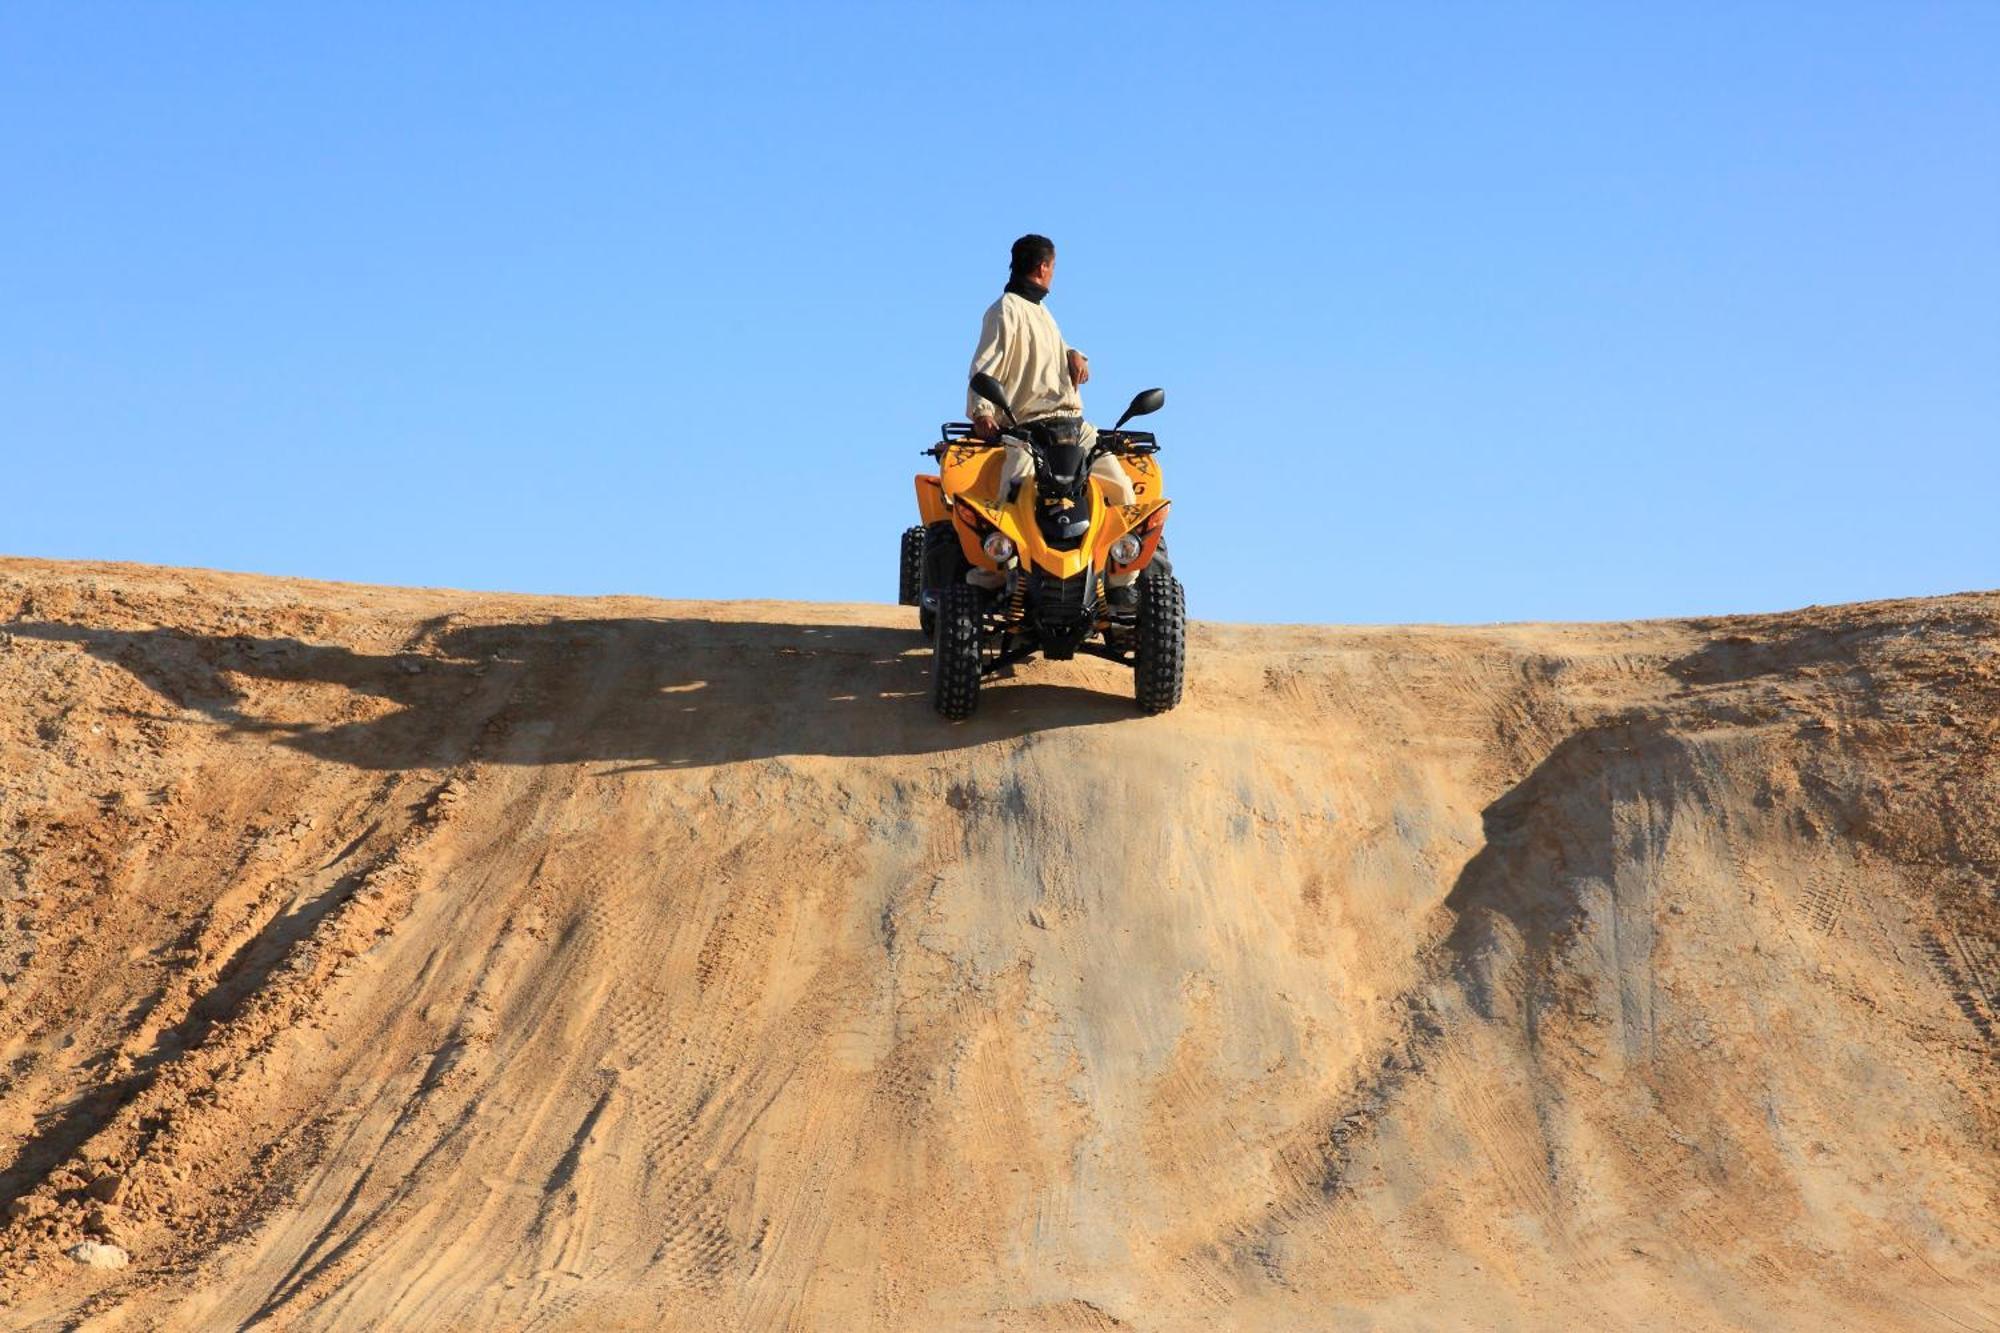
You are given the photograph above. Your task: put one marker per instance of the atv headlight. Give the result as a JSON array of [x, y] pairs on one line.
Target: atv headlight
[[999, 546], [1125, 550]]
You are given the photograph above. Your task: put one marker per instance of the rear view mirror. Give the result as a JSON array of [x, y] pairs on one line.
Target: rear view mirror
[[1150, 401], [989, 388]]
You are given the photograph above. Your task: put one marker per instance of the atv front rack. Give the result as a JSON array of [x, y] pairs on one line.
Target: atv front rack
[[1114, 441], [950, 433]]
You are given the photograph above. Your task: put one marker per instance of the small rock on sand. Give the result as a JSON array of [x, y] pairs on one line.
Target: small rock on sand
[[99, 1255]]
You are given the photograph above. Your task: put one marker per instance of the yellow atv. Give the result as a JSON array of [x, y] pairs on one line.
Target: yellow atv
[[999, 578]]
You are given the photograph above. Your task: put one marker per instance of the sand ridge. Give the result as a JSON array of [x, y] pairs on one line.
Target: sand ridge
[[412, 958]]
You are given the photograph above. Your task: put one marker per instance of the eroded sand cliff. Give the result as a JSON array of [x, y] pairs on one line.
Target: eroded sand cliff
[[385, 958]]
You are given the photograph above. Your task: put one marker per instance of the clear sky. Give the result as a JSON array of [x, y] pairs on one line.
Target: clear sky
[[1464, 312]]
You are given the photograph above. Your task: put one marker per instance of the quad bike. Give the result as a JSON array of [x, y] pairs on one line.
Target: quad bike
[[997, 579]]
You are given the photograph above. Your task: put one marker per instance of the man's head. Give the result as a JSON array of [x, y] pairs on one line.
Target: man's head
[[1033, 260]]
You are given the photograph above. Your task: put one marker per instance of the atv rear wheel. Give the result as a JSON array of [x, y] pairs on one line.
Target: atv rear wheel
[[944, 563], [955, 652], [910, 571], [1160, 664]]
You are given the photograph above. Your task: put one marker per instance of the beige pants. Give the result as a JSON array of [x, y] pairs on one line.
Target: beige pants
[[1117, 486]]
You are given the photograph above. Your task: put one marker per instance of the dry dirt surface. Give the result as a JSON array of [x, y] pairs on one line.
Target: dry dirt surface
[[375, 958]]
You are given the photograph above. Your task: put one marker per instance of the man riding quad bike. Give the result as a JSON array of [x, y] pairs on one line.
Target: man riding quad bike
[[1000, 576]]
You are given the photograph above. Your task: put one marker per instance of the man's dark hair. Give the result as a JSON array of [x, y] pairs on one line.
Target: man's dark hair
[[1029, 253]]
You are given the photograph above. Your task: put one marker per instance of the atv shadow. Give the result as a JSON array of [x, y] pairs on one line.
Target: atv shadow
[[643, 693]]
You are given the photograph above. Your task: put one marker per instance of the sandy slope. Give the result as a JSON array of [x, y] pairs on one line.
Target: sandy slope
[[425, 960]]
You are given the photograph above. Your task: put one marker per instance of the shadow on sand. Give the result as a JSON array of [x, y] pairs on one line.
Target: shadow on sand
[[641, 693]]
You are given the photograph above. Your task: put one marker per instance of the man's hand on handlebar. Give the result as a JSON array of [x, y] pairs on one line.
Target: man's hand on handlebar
[[986, 428]]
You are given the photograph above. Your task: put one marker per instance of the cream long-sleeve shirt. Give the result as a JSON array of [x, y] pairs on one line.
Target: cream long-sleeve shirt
[[1020, 345]]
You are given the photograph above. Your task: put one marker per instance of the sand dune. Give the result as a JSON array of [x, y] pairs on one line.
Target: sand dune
[[411, 959]]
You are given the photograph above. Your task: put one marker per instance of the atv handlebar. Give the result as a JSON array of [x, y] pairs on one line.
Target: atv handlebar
[[1128, 441]]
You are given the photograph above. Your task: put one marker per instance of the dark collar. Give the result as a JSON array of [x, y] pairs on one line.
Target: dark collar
[[1028, 291]]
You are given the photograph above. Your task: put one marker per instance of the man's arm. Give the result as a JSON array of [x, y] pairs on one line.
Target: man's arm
[[988, 356]]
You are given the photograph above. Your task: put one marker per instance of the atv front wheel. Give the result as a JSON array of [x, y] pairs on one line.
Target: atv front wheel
[[910, 571], [955, 652], [1161, 657]]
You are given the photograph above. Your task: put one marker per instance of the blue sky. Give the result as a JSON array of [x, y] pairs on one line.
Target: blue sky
[[1465, 312]]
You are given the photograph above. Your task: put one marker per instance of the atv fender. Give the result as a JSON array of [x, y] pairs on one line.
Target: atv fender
[[973, 520], [1143, 471], [971, 468], [930, 499], [1146, 519]]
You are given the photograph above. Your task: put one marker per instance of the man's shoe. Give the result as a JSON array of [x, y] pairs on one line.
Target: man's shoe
[[1123, 597]]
